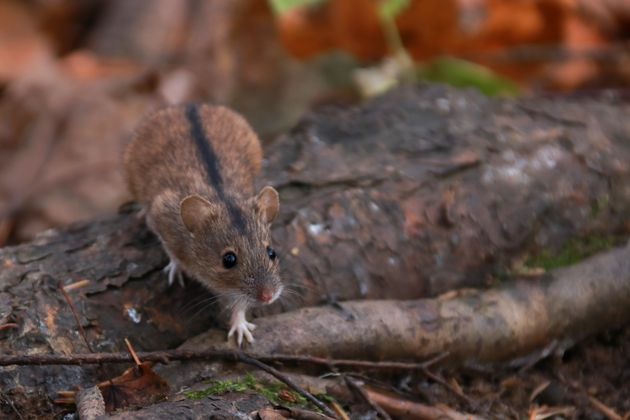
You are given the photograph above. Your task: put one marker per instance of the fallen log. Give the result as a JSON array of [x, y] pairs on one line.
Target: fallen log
[[418, 192]]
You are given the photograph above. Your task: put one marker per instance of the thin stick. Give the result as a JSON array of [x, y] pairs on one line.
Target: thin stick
[[76, 316], [365, 364], [437, 378], [604, 409], [359, 390], [8, 325], [76, 285], [180, 354], [339, 410], [242, 357], [9, 401], [132, 352], [411, 409]]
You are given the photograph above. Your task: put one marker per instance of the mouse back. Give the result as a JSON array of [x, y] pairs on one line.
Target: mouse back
[[191, 149]]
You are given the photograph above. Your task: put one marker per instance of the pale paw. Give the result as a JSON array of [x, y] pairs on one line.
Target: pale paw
[[172, 270], [242, 328]]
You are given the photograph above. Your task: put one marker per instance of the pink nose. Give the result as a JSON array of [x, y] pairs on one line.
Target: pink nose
[[264, 295]]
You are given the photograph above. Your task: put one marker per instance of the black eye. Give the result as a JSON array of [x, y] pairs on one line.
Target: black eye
[[271, 253], [229, 259]]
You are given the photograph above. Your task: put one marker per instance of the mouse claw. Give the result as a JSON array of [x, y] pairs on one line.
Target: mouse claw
[[241, 328], [173, 272]]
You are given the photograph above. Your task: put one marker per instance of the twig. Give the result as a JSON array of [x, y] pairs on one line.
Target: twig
[[76, 316], [359, 390], [365, 364], [410, 409], [181, 354], [132, 352], [604, 409], [437, 378], [76, 285], [339, 410], [65, 398], [544, 412], [242, 357], [597, 404], [8, 325], [9, 402]]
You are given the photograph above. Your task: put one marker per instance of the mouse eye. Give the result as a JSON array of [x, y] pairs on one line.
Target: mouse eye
[[229, 259], [271, 253]]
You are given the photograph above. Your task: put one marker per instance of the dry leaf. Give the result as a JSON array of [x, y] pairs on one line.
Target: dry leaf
[[136, 387]]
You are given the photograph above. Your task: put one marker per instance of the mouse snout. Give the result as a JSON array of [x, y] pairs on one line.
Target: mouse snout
[[265, 294]]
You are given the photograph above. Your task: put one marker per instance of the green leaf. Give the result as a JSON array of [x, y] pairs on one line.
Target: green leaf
[[462, 73], [389, 9], [281, 6]]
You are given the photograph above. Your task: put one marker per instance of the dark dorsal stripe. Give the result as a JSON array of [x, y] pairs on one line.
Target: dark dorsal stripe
[[211, 163], [208, 157], [237, 216]]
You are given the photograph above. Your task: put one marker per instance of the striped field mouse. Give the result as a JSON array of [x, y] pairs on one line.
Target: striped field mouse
[[192, 168]]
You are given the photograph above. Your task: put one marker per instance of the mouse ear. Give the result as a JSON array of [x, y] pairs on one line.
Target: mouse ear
[[195, 211], [268, 203]]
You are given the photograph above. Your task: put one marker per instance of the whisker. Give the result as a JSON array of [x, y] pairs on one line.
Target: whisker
[[290, 289], [291, 297], [193, 305], [205, 304], [302, 286], [198, 313]]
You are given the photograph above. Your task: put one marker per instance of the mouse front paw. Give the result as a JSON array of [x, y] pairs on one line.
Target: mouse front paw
[[173, 271], [241, 328]]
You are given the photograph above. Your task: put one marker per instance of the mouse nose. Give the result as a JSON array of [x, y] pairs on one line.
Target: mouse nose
[[264, 294]]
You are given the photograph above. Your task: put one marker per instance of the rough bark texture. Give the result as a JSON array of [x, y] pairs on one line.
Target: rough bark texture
[[224, 407], [420, 191]]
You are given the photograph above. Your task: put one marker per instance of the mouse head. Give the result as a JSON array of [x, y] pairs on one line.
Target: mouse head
[[231, 245]]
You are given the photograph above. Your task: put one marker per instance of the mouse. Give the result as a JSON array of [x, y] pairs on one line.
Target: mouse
[[192, 169]]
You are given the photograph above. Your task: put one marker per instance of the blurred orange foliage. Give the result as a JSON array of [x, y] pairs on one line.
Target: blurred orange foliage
[[527, 40]]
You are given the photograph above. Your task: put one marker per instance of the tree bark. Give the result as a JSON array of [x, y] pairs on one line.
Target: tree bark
[[423, 190]]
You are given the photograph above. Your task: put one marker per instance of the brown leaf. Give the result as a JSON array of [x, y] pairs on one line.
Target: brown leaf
[[137, 387], [269, 413], [286, 395]]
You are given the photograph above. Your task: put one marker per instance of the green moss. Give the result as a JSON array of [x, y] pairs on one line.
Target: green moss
[[599, 205], [218, 387], [573, 251], [502, 274], [276, 392], [272, 391]]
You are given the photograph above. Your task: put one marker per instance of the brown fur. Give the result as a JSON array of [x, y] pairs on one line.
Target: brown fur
[[163, 167]]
